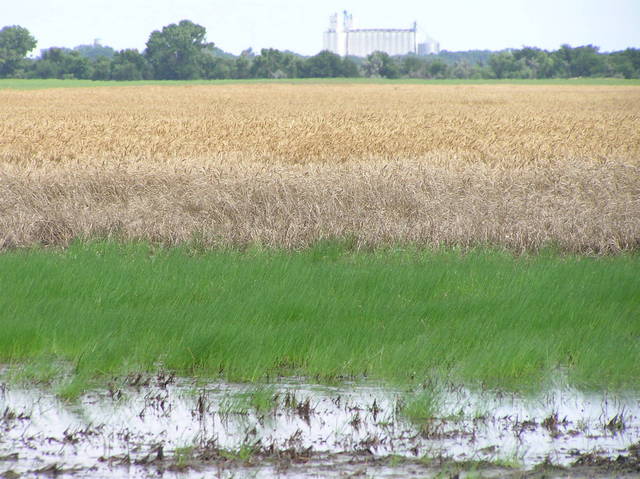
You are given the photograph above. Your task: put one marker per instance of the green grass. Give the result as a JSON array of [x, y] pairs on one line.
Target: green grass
[[420, 406], [35, 84], [261, 400], [482, 317]]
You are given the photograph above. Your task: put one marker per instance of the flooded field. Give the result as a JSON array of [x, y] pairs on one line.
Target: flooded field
[[162, 426]]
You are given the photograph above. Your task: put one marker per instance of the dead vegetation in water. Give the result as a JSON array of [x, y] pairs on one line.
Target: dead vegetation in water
[[286, 165], [380, 441]]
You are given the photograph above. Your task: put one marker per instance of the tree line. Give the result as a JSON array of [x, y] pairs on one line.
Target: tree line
[[180, 52]]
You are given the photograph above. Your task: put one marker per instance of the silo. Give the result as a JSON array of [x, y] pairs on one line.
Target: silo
[[342, 38]]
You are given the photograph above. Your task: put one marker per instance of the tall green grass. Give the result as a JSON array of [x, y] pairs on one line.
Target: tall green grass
[[400, 315], [37, 84]]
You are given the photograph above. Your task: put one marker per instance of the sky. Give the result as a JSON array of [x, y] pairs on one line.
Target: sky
[[297, 25]]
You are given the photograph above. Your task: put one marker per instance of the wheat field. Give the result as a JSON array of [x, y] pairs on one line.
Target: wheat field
[[520, 167]]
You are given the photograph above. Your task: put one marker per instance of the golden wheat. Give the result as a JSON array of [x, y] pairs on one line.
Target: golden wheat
[[285, 165]]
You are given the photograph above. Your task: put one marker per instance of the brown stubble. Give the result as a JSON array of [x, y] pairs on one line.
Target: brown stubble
[[286, 165]]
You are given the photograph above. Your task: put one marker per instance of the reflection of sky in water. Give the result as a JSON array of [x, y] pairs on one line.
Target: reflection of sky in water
[[344, 419]]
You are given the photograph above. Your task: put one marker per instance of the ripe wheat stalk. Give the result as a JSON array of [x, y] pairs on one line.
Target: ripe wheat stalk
[[286, 165]]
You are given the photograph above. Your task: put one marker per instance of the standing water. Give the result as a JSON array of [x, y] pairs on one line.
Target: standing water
[[177, 427]]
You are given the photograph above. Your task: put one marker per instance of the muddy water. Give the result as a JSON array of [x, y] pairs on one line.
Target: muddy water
[[178, 428]]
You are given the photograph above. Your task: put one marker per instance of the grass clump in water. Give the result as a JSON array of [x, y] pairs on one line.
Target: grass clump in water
[[420, 406], [260, 400]]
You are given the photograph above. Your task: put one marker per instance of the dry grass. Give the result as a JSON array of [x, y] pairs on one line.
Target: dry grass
[[285, 165]]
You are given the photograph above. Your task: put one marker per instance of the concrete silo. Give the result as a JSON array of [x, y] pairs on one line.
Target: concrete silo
[[342, 38]]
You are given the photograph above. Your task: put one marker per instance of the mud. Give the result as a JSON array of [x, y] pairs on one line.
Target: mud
[[162, 426]]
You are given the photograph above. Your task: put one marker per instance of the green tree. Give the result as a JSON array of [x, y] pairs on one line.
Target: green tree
[[625, 63], [95, 51], [461, 69], [272, 63], [380, 64], [438, 69], [218, 67], [534, 62], [350, 68], [413, 66], [472, 57], [101, 69], [177, 52], [633, 55], [15, 43], [242, 64], [130, 64], [581, 61], [324, 64], [62, 63], [503, 64], [268, 64]]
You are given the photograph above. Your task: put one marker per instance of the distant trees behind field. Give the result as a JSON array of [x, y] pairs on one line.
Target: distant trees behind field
[[181, 52]]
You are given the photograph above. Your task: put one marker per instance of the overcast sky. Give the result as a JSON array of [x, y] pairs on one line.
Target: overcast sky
[[297, 25]]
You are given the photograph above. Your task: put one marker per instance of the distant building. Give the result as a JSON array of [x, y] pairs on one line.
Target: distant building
[[345, 40], [428, 47]]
